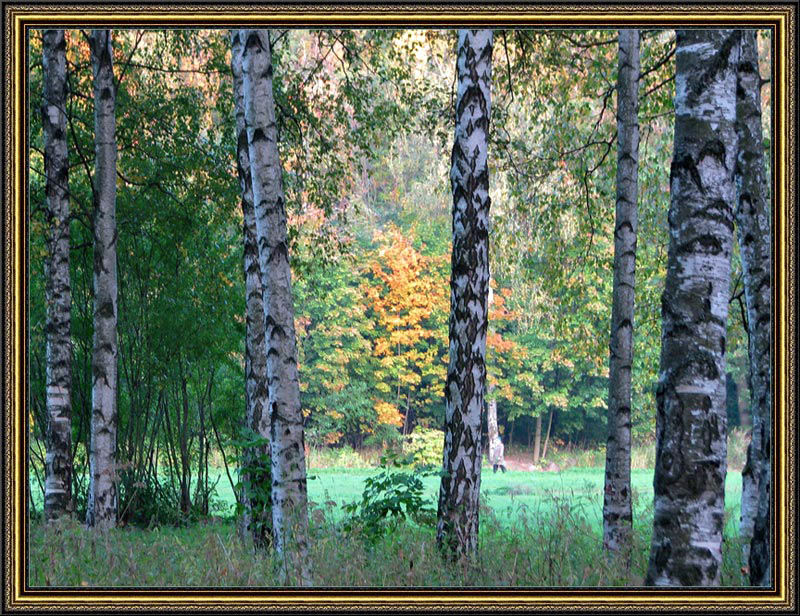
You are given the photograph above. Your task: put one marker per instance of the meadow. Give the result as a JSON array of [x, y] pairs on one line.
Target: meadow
[[537, 529]]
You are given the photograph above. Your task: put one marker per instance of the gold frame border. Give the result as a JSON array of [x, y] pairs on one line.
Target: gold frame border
[[780, 18]]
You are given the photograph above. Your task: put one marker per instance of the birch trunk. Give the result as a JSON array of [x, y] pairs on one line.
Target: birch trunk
[[58, 460], [289, 496], [457, 528], [754, 233], [256, 495], [691, 420], [102, 500], [617, 513], [537, 443]]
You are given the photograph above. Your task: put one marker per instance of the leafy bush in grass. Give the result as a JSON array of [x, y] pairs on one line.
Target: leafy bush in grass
[[389, 498], [424, 446]]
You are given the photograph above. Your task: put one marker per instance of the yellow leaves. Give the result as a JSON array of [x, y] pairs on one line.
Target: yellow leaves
[[388, 414], [408, 291], [558, 400]]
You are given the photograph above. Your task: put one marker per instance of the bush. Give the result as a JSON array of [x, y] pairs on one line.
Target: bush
[[424, 446], [389, 498]]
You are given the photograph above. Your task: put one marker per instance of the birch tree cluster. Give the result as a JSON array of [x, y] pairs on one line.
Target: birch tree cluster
[[248, 245]]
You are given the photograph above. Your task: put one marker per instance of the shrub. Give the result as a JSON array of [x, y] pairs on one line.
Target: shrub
[[389, 498], [424, 446]]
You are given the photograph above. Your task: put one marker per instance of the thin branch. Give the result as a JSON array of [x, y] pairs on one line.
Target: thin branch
[[508, 67], [658, 85], [127, 64], [581, 45], [658, 64]]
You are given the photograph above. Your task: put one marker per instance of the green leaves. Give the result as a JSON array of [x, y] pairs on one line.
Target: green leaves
[[389, 498]]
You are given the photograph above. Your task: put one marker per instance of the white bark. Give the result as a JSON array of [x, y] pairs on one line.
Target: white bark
[[691, 420], [289, 492], [102, 501], [617, 512], [58, 460], [754, 234], [257, 516], [457, 528]]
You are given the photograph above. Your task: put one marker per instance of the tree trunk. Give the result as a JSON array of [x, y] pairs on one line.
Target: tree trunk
[[547, 436], [691, 419], [753, 226], [537, 443], [495, 443], [289, 497], [58, 461], [457, 528], [102, 500], [617, 513], [256, 495]]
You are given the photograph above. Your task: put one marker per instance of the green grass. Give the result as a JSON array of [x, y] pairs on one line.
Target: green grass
[[506, 493], [537, 529]]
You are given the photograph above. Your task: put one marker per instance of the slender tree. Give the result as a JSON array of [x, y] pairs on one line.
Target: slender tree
[[691, 420], [256, 478], [289, 490], [753, 234], [465, 390], [58, 461], [101, 509], [617, 513]]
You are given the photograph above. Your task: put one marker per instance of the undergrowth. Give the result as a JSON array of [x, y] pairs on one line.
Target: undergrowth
[[555, 544]]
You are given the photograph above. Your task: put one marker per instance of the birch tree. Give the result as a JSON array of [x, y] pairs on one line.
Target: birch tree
[[58, 460], [465, 389], [256, 480], [617, 513], [101, 509], [289, 490], [691, 419], [754, 234]]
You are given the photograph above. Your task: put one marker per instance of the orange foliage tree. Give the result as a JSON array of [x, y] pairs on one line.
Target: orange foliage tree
[[408, 294]]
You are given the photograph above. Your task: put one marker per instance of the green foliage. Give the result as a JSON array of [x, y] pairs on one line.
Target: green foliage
[[424, 446], [255, 480], [391, 497]]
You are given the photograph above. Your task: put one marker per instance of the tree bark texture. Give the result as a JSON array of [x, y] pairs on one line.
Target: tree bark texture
[[257, 481], [617, 513], [457, 528], [58, 460], [102, 501], [754, 235], [289, 490], [691, 418]]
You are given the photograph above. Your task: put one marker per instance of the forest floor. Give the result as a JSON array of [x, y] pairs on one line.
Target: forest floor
[[537, 529]]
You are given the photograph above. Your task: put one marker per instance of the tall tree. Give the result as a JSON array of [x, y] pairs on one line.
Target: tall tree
[[617, 513], [256, 478], [691, 420], [102, 501], [753, 234], [465, 389], [289, 490], [58, 461]]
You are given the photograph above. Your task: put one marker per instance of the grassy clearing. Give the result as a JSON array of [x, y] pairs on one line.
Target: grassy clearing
[[537, 529], [558, 545]]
